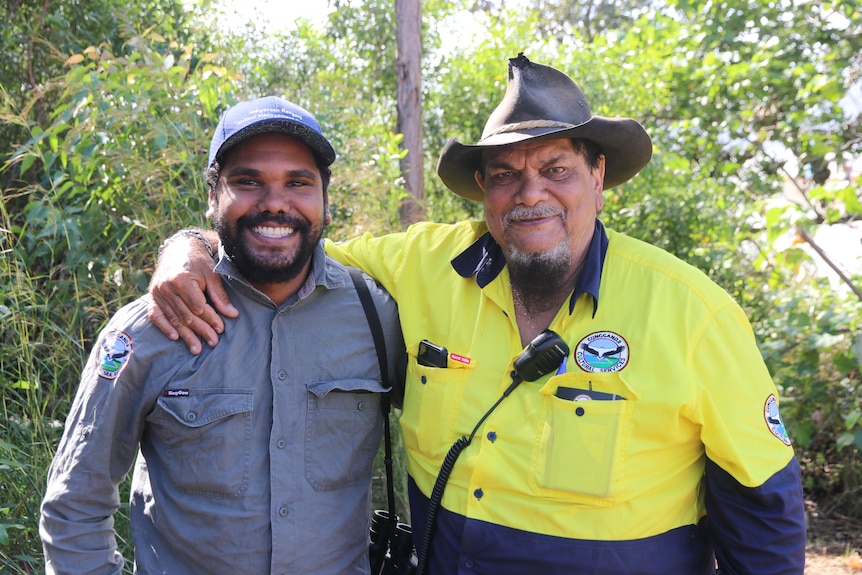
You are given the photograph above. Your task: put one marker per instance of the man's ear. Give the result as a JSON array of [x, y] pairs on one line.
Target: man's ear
[[598, 174], [212, 201], [480, 180]]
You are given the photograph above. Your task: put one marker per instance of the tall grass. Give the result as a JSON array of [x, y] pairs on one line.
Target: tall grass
[[43, 350]]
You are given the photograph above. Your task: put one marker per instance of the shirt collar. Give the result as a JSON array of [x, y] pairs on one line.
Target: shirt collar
[[484, 259]]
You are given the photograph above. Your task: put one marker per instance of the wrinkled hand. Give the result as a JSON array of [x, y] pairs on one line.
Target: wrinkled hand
[[178, 305]]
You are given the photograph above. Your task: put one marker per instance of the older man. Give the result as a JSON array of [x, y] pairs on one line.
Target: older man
[[654, 447]]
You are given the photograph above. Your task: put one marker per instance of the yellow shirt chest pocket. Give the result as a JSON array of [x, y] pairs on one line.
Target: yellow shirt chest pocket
[[432, 417], [578, 452]]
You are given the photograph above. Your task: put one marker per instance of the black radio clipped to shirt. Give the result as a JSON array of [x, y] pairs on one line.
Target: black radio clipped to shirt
[[432, 355]]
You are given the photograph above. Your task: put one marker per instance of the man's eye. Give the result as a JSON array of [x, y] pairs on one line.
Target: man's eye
[[556, 173]]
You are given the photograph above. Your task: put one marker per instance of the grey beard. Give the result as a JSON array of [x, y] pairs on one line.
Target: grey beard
[[536, 276]]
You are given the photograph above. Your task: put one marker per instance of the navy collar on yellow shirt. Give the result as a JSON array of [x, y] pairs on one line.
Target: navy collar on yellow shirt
[[485, 260]]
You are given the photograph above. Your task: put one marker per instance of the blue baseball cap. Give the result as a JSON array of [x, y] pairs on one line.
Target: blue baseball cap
[[266, 115]]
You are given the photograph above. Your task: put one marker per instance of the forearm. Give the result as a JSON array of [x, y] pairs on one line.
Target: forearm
[[757, 530], [77, 514], [190, 242], [75, 547]]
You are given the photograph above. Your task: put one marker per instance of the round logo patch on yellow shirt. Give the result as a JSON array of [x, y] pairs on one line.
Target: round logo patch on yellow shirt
[[774, 421], [602, 352]]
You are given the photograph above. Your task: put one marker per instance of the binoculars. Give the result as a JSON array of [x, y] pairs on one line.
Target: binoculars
[[391, 549]]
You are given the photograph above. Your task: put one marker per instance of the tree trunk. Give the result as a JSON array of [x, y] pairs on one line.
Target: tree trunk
[[408, 67]]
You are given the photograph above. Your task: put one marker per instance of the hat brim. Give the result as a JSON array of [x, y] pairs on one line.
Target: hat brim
[[624, 142], [319, 145]]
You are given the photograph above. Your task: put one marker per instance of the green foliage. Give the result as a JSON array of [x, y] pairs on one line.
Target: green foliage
[[37, 37], [106, 118], [565, 19], [813, 349], [93, 188]]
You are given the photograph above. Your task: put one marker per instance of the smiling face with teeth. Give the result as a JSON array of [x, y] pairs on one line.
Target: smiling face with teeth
[[270, 208]]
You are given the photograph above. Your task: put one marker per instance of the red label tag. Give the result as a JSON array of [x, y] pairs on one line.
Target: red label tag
[[460, 358]]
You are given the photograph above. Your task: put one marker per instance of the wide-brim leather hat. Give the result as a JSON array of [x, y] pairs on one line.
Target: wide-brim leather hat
[[542, 103]]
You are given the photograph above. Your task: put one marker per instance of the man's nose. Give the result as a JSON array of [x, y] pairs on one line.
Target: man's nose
[[532, 189], [275, 199]]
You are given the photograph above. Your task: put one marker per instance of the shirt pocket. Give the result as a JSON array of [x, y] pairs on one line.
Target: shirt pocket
[[432, 405], [343, 428], [579, 447], [206, 437]]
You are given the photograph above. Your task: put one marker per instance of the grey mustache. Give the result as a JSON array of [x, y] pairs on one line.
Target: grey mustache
[[524, 213]]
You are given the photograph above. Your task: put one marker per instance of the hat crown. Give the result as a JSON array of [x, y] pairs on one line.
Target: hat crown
[[267, 108], [268, 114], [542, 103], [537, 96]]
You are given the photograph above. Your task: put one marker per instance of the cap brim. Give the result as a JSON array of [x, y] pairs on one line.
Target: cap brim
[[319, 145], [626, 145]]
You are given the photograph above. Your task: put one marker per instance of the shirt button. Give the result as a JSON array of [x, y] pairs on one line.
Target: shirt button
[[492, 436], [281, 443], [468, 563], [282, 375], [282, 511], [424, 379], [191, 416], [579, 411], [478, 493], [360, 406]]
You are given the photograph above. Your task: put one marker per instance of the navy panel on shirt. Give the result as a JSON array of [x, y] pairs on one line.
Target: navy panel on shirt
[[754, 539], [470, 547]]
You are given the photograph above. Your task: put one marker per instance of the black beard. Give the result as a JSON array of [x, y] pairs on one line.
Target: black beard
[[268, 268], [535, 276]]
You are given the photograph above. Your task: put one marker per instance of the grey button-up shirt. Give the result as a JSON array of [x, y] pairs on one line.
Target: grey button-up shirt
[[255, 456]]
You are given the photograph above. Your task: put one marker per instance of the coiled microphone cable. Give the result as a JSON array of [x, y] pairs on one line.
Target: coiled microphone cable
[[541, 356]]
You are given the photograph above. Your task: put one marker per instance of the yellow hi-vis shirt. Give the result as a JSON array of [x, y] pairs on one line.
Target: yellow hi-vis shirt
[[663, 373]]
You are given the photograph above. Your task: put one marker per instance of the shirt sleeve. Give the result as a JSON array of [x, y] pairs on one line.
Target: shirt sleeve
[[753, 499], [757, 530], [380, 257], [98, 447]]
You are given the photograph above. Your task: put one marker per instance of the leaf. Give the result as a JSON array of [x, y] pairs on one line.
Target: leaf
[[826, 340], [74, 59], [846, 440], [851, 201], [845, 362], [27, 162]]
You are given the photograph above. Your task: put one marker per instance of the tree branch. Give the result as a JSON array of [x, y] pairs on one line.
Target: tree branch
[[810, 241]]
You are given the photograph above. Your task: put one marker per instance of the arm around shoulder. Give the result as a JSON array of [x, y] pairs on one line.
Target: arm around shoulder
[[181, 282]]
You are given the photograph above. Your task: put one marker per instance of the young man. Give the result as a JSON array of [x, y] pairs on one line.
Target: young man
[[654, 447], [255, 456]]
